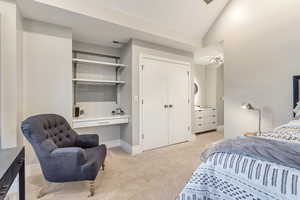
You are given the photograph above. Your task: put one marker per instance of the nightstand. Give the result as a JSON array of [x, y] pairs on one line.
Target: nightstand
[[250, 134]]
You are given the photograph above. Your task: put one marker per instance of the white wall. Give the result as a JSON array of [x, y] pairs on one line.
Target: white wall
[[211, 85], [261, 43], [10, 76], [220, 95], [200, 78], [126, 91], [47, 72]]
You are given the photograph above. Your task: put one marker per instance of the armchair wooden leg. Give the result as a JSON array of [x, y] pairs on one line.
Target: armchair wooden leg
[[48, 188], [103, 166], [92, 188]]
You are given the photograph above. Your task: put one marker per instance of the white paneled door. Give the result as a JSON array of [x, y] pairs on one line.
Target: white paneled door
[[165, 107], [178, 95], [154, 105]]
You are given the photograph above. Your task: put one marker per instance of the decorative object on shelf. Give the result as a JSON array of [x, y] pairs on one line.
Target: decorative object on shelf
[[248, 106], [118, 111], [78, 111], [217, 60]]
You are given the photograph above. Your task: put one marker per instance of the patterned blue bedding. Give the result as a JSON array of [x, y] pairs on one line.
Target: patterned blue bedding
[[228, 176]]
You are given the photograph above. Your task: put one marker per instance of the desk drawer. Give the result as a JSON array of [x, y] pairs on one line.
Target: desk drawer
[[94, 123]]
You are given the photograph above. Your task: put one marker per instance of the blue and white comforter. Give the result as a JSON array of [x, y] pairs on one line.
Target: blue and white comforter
[[229, 176]]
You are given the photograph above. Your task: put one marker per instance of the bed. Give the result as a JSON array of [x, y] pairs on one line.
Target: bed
[[250, 168]]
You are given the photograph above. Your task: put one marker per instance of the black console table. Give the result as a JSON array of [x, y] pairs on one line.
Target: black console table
[[12, 164]]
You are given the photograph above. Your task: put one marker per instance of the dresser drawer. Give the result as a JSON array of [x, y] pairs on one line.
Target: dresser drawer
[[210, 119], [203, 113], [211, 125], [202, 127]]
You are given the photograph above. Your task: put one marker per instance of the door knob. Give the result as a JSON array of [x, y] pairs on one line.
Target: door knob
[[165, 106], [170, 106]]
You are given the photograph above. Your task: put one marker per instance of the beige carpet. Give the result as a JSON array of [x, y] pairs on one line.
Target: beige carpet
[[153, 175]]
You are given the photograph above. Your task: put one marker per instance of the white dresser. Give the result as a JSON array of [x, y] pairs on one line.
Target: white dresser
[[205, 119]]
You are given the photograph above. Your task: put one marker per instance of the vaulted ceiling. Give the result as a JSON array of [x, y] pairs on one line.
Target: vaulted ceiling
[[177, 23]]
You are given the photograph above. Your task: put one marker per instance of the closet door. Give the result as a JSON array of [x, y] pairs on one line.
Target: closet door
[[155, 101], [178, 90]]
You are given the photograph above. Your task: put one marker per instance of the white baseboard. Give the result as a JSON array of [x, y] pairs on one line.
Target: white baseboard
[[136, 149], [112, 143], [133, 150], [220, 128], [192, 137], [125, 146]]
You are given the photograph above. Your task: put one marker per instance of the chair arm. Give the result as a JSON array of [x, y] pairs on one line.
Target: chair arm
[[87, 141], [70, 156]]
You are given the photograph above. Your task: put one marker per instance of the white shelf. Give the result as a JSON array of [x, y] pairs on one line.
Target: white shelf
[[77, 60], [101, 121], [95, 81]]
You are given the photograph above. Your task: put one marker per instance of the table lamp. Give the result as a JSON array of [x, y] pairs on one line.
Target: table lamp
[[248, 106]]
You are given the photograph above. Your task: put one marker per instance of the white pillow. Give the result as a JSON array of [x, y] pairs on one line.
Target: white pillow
[[292, 124]]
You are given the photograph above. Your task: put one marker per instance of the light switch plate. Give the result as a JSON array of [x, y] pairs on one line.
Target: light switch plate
[[136, 98]]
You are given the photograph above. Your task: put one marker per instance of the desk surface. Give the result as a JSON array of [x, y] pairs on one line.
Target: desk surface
[[7, 157]]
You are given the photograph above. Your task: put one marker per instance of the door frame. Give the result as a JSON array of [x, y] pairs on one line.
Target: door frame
[[140, 66]]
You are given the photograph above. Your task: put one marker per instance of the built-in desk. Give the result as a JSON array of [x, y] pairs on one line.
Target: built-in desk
[[12, 164], [101, 121]]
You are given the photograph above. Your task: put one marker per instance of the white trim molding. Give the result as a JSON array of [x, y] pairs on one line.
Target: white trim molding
[[220, 128], [112, 143], [133, 150]]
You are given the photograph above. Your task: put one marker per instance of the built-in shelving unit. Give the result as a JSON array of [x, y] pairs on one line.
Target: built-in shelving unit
[[86, 69]]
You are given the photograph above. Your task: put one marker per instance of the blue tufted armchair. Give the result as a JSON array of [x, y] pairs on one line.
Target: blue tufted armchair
[[64, 155]]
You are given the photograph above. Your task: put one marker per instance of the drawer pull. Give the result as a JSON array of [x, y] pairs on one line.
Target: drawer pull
[[214, 122], [199, 124], [200, 117]]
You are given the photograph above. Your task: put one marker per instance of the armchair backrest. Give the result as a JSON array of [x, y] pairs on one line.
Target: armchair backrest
[[47, 132]]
